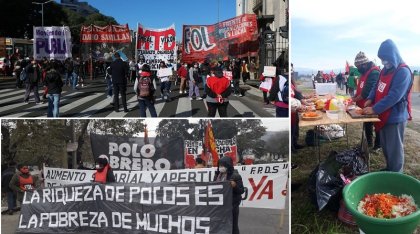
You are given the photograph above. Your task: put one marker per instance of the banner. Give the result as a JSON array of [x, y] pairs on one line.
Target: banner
[[129, 208], [101, 43], [156, 45], [52, 43], [224, 147], [266, 183], [132, 153], [236, 37]]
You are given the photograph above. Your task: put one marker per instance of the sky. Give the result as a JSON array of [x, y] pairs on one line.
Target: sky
[[327, 33], [164, 13], [272, 124]]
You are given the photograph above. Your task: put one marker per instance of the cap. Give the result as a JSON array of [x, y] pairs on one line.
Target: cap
[[361, 59]]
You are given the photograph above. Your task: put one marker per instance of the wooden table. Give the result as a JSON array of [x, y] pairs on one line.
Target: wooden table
[[347, 119]]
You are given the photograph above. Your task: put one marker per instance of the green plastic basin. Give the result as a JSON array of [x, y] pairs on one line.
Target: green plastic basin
[[383, 182]]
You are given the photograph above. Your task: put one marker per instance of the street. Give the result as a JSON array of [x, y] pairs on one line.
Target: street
[[251, 221], [91, 101]]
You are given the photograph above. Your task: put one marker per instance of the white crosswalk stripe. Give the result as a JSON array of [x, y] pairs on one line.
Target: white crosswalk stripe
[[96, 104]]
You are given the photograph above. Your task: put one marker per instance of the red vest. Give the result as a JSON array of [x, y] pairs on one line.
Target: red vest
[[26, 183], [293, 114], [101, 176], [382, 90], [361, 84]]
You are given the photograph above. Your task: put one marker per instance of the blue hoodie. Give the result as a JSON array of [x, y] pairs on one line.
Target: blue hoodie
[[399, 85]]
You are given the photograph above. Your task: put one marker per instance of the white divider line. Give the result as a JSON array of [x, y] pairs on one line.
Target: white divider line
[[13, 106], [95, 108], [240, 107], [132, 102], [5, 90], [18, 94], [184, 108]]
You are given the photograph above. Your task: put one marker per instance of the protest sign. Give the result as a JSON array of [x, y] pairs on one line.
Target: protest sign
[[129, 208], [194, 149], [156, 45], [266, 84], [100, 43], [266, 183], [236, 37], [52, 43], [164, 72], [132, 153], [269, 71], [228, 74]]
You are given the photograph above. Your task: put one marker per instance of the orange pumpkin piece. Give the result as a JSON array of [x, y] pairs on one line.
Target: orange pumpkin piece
[[310, 114]]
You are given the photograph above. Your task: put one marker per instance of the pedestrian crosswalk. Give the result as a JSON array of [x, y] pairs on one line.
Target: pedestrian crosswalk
[[91, 101]]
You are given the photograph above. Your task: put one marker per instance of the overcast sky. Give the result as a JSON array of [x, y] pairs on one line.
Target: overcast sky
[[272, 124], [326, 33]]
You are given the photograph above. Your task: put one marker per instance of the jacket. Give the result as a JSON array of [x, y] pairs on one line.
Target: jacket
[[54, 82], [32, 71], [6, 177], [14, 182], [399, 86], [215, 86], [119, 71], [232, 175]]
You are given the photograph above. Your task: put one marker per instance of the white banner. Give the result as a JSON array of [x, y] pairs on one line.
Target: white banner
[[266, 183], [52, 43], [156, 45]]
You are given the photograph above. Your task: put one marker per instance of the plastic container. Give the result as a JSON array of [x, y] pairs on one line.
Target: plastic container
[[383, 182], [333, 114]]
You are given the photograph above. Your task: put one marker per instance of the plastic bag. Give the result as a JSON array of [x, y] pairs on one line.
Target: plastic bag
[[325, 184]]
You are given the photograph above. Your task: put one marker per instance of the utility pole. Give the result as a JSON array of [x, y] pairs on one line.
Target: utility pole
[[42, 9]]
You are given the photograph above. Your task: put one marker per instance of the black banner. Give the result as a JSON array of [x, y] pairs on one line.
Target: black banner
[[128, 208], [134, 154]]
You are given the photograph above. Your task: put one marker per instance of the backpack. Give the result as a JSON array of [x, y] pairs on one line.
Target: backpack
[[285, 92], [23, 75], [144, 86]]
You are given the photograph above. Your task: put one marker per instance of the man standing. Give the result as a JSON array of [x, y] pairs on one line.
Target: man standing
[[6, 177], [369, 77], [33, 76], [391, 101], [119, 73], [226, 172], [244, 71], [23, 181]]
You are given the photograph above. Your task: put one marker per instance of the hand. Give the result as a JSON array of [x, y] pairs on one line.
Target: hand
[[368, 103], [233, 184], [368, 111]]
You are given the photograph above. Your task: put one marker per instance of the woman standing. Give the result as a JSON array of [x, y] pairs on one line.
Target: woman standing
[[54, 86], [183, 74], [195, 80], [218, 91]]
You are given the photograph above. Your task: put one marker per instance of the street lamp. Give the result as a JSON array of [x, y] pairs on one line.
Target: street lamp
[[42, 8]]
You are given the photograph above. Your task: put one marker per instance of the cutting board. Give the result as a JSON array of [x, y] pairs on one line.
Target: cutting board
[[355, 115]]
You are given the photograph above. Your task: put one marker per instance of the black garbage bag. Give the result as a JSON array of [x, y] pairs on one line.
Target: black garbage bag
[[325, 185]]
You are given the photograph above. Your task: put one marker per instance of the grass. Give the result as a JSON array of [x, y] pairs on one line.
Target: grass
[[305, 216]]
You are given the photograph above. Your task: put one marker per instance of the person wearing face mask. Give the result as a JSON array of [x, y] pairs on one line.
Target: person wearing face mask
[[369, 77], [183, 73], [391, 100], [218, 92], [226, 172], [104, 173], [23, 181], [195, 80]]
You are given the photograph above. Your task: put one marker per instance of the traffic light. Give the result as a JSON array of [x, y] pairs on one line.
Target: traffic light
[[284, 32]]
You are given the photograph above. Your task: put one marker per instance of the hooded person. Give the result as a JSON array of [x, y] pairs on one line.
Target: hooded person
[[368, 79], [104, 173], [390, 99], [226, 172], [23, 181]]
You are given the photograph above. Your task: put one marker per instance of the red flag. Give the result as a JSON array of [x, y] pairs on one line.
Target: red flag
[[347, 67], [332, 74], [210, 143], [146, 136]]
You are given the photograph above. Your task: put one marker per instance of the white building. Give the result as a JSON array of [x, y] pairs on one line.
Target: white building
[[82, 8]]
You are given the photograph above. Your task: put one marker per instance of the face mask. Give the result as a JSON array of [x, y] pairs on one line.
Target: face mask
[[24, 170], [195, 66], [386, 64], [222, 169], [185, 65], [99, 167]]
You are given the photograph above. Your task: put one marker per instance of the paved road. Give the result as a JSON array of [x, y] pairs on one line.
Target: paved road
[[91, 101], [251, 221]]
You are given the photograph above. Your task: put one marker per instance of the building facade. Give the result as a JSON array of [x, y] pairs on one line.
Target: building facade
[[82, 8], [275, 15]]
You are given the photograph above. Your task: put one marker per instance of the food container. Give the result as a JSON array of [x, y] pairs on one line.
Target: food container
[[383, 182], [333, 114]]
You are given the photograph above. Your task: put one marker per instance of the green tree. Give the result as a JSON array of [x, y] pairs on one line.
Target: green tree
[[172, 128]]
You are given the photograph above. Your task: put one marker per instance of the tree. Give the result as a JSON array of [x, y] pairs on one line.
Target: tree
[[172, 128]]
